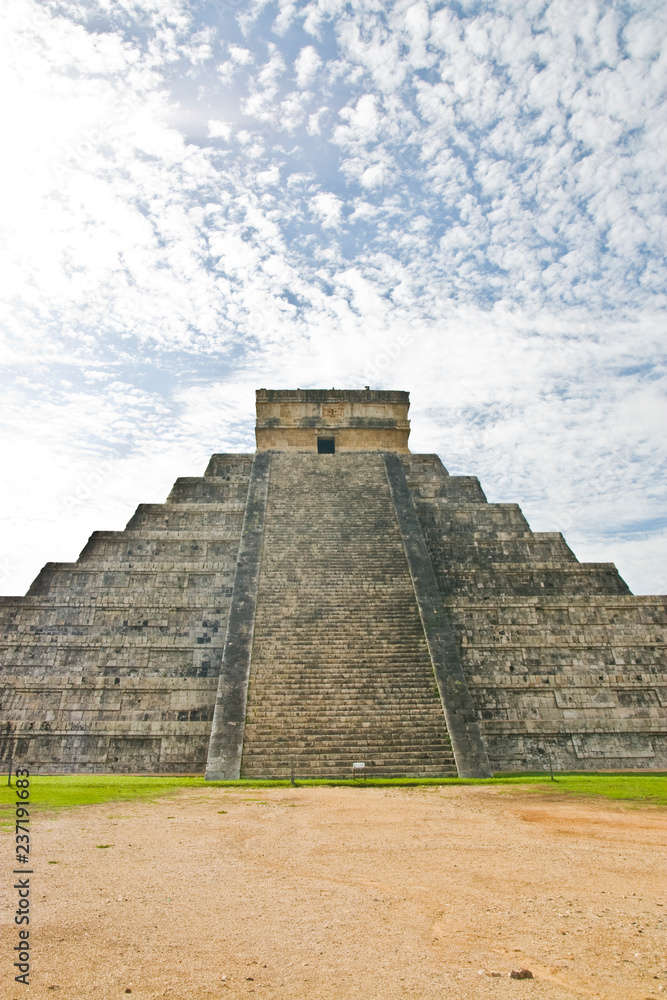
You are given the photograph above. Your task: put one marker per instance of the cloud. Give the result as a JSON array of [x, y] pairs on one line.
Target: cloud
[[327, 207], [219, 130], [306, 66], [464, 202]]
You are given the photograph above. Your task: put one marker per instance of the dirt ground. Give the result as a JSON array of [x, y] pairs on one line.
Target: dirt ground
[[346, 893]]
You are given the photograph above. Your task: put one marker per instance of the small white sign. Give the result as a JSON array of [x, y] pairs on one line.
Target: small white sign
[[359, 764]]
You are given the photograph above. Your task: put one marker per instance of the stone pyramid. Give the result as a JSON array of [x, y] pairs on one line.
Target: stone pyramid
[[332, 599]]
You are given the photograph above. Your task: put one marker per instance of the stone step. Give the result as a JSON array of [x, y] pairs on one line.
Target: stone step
[[399, 730], [336, 763], [188, 516], [359, 707], [344, 770], [527, 579], [232, 464], [141, 579], [128, 545], [331, 735], [206, 490]]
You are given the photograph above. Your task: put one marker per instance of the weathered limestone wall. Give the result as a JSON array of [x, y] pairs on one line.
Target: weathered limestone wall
[[111, 663], [357, 420], [559, 657]]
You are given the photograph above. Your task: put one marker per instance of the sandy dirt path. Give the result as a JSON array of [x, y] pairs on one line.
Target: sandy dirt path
[[343, 893]]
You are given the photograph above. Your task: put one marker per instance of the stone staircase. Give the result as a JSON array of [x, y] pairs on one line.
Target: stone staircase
[[340, 670]]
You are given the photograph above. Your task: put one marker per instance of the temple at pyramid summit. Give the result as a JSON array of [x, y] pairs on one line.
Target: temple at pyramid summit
[[330, 600]]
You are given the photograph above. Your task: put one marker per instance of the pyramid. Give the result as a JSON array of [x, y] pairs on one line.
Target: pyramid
[[330, 600]]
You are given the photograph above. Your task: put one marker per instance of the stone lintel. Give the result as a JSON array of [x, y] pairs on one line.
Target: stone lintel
[[383, 396]]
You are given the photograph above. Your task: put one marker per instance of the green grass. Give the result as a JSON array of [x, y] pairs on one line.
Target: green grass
[[62, 791], [53, 792], [650, 789]]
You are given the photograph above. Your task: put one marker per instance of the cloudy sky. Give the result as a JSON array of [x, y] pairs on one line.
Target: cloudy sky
[[461, 199]]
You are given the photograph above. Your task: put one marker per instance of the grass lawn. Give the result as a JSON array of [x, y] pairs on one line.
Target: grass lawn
[[63, 791]]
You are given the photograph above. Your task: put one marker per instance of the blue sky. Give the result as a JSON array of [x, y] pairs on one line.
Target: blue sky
[[464, 200]]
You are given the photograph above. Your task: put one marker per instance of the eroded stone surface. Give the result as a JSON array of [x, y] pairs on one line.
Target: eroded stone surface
[[111, 663], [560, 659]]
